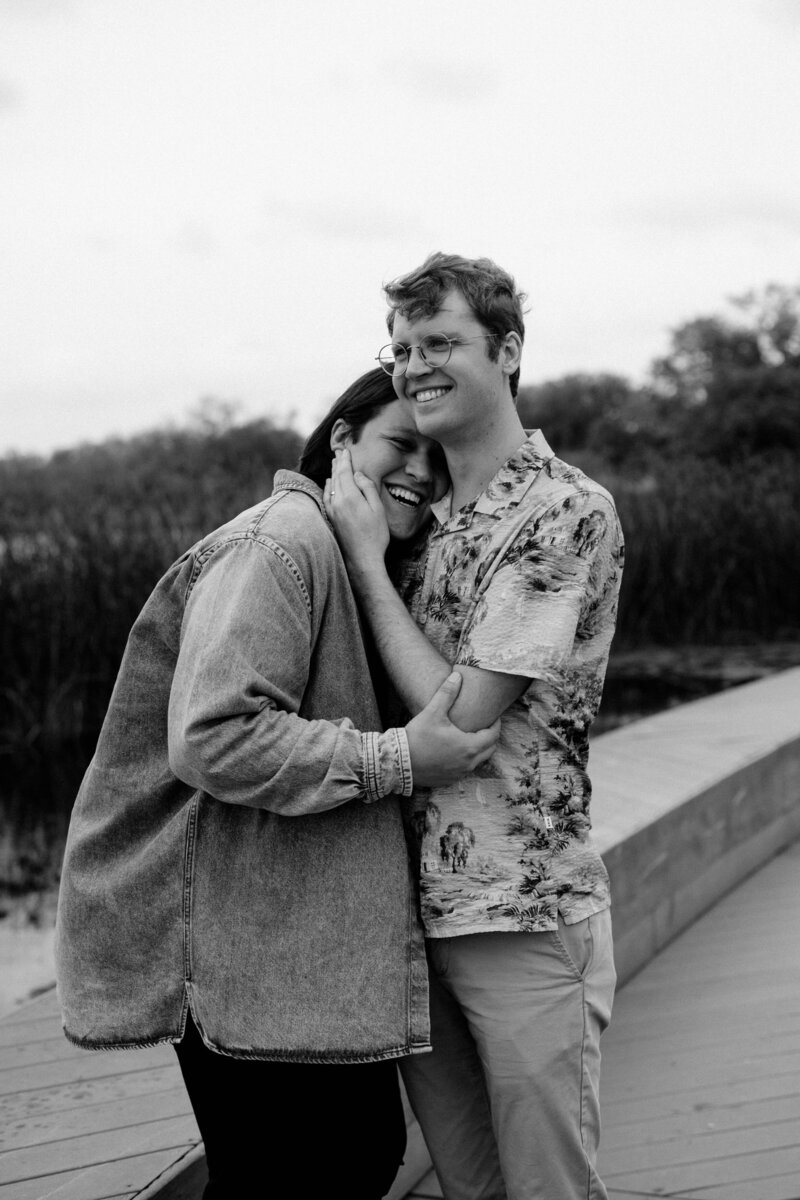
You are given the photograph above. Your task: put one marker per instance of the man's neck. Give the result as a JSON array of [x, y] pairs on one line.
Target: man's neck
[[474, 461]]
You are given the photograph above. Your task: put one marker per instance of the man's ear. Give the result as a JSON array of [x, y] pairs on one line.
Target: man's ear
[[511, 352], [341, 435]]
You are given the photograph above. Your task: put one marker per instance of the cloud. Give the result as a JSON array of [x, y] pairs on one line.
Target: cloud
[[785, 13], [427, 80], [344, 221], [705, 215], [27, 10], [195, 239], [444, 82], [10, 96]]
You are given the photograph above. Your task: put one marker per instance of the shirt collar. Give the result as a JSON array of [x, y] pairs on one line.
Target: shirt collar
[[505, 490]]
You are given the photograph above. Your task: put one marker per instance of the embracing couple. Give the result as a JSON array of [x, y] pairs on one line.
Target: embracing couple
[[338, 814]]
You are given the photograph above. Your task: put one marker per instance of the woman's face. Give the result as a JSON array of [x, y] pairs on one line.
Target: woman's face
[[407, 468]]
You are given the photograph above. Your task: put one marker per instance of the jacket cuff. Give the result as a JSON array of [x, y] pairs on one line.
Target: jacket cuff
[[387, 765]]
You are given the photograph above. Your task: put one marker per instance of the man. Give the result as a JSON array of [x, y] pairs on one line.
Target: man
[[517, 584]]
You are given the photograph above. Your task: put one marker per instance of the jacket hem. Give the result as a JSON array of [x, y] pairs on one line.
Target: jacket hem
[[137, 1044], [267, 1055]]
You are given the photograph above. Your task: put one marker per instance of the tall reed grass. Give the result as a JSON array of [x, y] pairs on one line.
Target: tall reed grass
[[712, 553], [712, 556]]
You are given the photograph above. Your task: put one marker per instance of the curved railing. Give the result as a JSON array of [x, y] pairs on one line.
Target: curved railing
[[686, 804], [689, 802]]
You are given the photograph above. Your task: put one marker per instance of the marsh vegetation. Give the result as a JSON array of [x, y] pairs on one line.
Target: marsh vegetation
[[702, 461]]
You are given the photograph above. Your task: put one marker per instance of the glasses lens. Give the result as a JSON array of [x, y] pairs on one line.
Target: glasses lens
[[435, 350], [393, 359]]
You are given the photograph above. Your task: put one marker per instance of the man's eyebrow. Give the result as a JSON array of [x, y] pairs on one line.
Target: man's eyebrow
[[433, 333]]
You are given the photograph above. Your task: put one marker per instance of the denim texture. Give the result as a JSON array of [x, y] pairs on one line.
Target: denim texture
[[219, 854]]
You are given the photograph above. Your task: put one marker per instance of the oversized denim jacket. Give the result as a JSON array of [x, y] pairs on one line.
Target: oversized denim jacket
[[220, 857]]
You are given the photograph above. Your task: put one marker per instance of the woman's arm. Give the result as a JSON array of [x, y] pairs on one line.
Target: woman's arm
[[242, 669]]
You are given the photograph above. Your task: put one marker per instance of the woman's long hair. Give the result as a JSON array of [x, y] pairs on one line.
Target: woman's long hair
[[356, 406]]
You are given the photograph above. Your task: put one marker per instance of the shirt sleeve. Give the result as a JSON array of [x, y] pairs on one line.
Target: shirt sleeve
[[558, 582], [241, 673]]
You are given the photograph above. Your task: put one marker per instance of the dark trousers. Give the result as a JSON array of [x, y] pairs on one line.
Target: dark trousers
[[299, 1130]]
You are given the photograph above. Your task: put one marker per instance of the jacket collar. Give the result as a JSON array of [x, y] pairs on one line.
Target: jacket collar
[[292, 481]]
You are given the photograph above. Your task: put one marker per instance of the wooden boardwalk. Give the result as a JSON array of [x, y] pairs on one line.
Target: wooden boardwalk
[[80, 1125], [701, 1064], [701, 1079]]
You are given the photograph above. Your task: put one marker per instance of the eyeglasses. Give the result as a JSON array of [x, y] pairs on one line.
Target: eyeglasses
[[434, 350]]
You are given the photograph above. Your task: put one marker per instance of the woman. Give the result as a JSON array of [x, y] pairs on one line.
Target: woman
[[235, 879]]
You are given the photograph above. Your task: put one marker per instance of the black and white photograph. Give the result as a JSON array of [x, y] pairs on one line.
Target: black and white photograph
[[399, 600]]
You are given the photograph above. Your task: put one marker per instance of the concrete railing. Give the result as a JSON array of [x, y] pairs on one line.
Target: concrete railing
[[686, 805], [689, 802]]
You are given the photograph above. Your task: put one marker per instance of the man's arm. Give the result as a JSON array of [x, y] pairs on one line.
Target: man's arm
[[415, 667]]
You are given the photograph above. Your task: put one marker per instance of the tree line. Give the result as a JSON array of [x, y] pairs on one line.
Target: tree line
[[702, 460]]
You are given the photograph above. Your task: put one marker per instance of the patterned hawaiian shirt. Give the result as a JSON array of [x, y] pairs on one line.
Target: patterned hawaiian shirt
[[524, 580]]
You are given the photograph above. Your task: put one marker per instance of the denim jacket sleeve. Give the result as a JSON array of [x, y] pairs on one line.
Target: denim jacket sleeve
[[244, 660]]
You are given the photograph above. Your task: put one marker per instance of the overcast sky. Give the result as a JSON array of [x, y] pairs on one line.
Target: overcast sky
[[203, 197]]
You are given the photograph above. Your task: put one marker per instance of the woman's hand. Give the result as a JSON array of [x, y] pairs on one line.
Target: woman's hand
[[441, 752], [356, 512]]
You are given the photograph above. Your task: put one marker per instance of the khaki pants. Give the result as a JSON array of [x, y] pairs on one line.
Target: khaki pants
[[509, 1099]]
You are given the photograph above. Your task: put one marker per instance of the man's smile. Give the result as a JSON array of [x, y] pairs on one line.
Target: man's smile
[[425, 395]]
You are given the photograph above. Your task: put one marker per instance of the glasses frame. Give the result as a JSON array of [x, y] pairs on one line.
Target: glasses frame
[[394, 372]]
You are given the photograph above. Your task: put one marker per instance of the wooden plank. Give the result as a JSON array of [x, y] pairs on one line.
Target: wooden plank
[[84, 1067], [696, 1066], [681, 1180], [13, 1033], [705, 1147], [78, 1093], [94, 1118], [32, 1010], [185, 1179], [428, 1187], [712, 996], [670, 1080], [34, 1189], [87, 1149], [613, 1194], [125, 1177], [701, 1073], [83, 1125], [56, 1048], [677, 1040], [631, 1027], [778, 1187], [416, 1162], [693, 1123], [708, 1100]]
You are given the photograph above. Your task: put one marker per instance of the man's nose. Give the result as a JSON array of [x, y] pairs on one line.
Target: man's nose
[[416, 363]]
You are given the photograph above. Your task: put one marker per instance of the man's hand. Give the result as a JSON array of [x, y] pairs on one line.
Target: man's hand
[[440, 751], [355, 509]]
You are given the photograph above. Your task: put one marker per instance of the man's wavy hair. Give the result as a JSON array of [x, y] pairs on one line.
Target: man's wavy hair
[[489, 290], [356, 406]]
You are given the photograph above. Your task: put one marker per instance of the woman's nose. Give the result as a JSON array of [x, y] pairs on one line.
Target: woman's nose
[[418, 466]]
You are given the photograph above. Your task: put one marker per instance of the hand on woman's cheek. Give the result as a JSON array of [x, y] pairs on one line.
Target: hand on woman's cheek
[[358, 516]]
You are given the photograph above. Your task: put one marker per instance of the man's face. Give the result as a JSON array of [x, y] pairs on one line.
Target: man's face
[[460, 398], [407, 468]]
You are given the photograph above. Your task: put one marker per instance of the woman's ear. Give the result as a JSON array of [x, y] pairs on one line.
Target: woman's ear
[[341, 435]]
